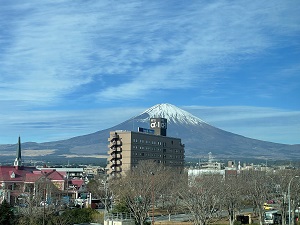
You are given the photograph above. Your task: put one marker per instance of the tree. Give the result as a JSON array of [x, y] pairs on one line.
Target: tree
[[201, 196], [231, 188], [99, 190], [168, 199], [282, 179], [43, 190], [138, 189], [258, 187], [75, 216], [6, 214]]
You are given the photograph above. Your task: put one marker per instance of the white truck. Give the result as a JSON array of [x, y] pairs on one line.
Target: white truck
[[272, 217]]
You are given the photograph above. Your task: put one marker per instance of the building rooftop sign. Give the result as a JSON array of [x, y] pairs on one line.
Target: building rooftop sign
[[145, 130]]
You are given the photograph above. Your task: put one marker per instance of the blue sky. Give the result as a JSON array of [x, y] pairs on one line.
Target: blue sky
[[70, 68]]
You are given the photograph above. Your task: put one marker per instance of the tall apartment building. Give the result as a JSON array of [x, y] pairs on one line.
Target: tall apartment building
[[128, 148]]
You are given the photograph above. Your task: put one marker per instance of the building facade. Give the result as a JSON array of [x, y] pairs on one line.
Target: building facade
[[127, 148], [18, 182]]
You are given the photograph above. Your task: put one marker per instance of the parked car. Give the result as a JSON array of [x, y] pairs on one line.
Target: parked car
[[43, 203], [268, 207], [24, 205]]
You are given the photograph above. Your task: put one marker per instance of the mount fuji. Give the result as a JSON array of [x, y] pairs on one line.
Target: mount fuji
[[199, 138]]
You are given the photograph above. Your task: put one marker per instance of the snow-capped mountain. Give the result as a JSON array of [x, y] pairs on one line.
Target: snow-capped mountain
[[172, 113], [199, 138]]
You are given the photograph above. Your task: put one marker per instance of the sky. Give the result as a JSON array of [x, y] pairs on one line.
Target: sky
[[70, 68]]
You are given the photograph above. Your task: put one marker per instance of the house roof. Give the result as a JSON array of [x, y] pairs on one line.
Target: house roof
[[27, 174], [77, 182], [54, 175], [15, 173]]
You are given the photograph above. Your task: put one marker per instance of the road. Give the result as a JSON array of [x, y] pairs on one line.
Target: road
[[187, 217]]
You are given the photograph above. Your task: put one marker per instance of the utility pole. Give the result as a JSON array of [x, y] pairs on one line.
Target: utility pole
[[152, 197], [44, 201], [289, 194]]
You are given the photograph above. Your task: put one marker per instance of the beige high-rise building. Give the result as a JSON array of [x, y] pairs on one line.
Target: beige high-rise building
[[128, 148]]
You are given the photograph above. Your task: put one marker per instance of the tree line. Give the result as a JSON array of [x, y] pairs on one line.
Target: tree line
[[205, 198], [150, 188]]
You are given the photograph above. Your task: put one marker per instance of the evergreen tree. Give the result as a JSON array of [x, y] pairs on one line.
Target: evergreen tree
[[6, 214]]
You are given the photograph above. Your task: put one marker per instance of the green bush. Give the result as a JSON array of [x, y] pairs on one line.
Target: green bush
[[7, 216], [237, 223], [85, 215]]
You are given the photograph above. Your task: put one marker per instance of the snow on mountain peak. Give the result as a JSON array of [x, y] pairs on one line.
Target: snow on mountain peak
[[172, 114]]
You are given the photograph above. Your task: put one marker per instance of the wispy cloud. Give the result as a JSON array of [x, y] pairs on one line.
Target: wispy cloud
[[204, 42], [58, 47], [58, 57], [270, 124], [52, 125]]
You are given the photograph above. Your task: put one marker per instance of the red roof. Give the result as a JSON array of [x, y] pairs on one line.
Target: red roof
[[77, 182], [31, 178], [54, 175], [15, 174], [27, 174]]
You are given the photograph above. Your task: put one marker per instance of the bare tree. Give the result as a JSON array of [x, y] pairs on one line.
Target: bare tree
[[140, 187], [231, 187], [168, 198], [201, 196], [258, 187], [281, 180], [284, 178]]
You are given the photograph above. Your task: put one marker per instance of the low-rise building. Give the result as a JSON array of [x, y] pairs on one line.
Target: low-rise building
[[18, 182]]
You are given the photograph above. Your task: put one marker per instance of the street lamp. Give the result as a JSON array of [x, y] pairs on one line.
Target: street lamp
[[289, 194]]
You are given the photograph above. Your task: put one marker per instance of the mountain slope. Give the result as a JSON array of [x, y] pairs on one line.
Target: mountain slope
[[198, 136]]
